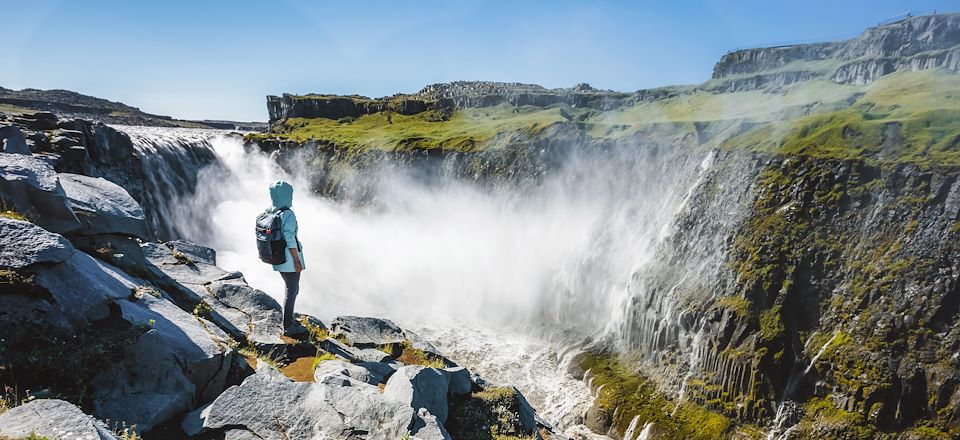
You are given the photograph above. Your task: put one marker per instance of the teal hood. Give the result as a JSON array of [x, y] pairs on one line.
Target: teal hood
[[281, 194]]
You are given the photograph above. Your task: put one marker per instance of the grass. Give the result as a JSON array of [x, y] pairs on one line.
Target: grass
[[408, 355], [13, 215], [908, 116], [466, 130], [301, 369], [817, 118], [319, 334]]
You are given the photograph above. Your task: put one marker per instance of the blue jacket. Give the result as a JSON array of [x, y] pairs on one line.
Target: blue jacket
[[281, 194]]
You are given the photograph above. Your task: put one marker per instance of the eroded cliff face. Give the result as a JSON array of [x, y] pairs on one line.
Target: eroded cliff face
[[912, 44], [815, 292]]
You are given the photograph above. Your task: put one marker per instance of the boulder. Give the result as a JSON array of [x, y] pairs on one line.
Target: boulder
[[173, 360], [369, 373], [37, 121], [195, 252], [420, 387], [52, 418], [177, 363], [12, 140], [426, 427], [65, 142], [364, 331], [103, 207], [30, 186], [187, 271], [460, 381], [23, 244], [244, 312], [271, 406], [371, 355], [38, 141]]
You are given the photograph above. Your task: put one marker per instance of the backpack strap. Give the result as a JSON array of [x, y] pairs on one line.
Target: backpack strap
[[287, 208]]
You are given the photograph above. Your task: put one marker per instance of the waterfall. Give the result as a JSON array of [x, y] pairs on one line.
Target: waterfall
[[171, 161], [564, 251], [446, 253]]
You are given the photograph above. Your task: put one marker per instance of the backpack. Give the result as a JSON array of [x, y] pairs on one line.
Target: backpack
[[270, 242]]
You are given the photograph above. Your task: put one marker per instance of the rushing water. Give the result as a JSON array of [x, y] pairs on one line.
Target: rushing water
[[472, 267]]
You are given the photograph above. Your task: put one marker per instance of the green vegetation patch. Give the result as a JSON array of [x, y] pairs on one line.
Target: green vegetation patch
[[910, 117], [405, 352], [625, 394], [13, 215], [491, 414], [466, 130], [34, 356]]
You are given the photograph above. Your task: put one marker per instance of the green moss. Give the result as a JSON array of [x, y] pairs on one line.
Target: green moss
[[737, 304], [624, 394], [202, 310], [490, 414], [771, 324], [821, 413]]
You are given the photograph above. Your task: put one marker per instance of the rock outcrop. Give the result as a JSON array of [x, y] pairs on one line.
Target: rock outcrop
[[29, 185], [103, 207], [51, 418], [911, 44], [344, 399]]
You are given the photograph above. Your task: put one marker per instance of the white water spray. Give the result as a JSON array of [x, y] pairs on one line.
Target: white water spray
[[449, 254]]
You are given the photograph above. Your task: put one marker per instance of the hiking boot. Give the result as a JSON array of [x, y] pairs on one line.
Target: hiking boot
[[296, 329]]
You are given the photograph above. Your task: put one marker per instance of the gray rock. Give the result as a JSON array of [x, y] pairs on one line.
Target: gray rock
[[24, 243], [244, 312], [175, 361], [381, 371], [369, 373], [103, 207], [426, 427], [29, 185], [53, 419], [178, 362], [419, 343], [460, 381], [364, 331], [38, 121], [65, 142], [420, 387], [195, 252], [12, 140], [186, 270], [369, 355], [528, 417], [179, 266], [271, 406], [192, 423]]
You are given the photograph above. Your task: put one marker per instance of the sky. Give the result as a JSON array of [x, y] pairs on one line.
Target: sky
[[219, 59]]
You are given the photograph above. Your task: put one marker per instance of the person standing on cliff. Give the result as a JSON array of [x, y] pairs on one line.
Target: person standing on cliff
[[281, 195]]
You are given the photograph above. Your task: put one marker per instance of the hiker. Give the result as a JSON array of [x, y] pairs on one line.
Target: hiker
[[278, 245]]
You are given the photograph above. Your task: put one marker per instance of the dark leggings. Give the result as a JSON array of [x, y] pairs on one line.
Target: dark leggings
[[292, 281]]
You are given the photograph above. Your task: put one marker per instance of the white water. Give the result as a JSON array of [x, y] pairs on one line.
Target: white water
[[454, 260]]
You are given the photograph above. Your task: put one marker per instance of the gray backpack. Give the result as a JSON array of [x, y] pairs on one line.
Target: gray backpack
[[270, 242]]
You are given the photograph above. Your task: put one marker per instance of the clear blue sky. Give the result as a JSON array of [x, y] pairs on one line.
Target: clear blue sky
[[217, 60]]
